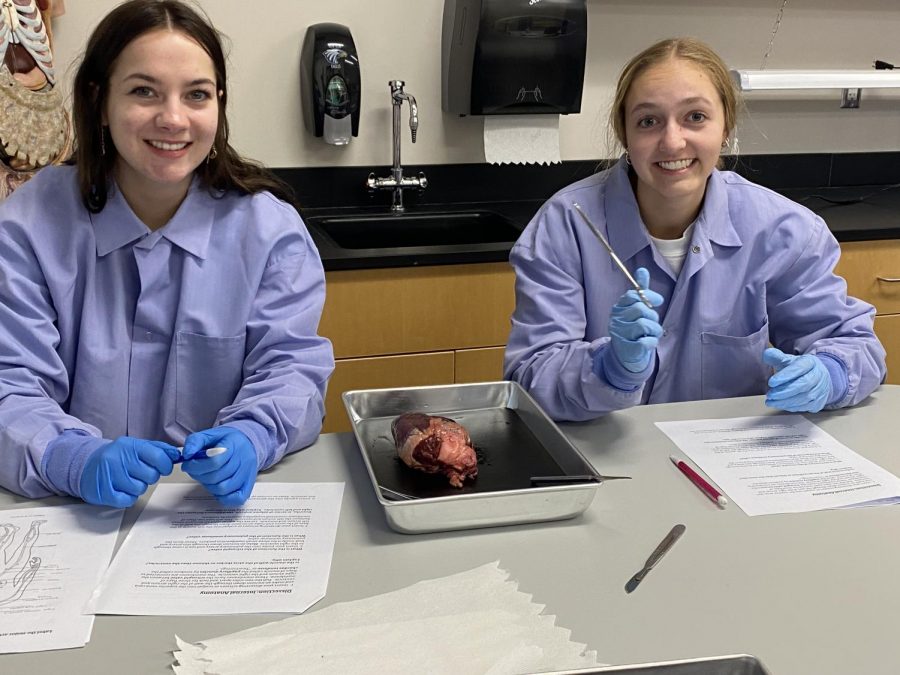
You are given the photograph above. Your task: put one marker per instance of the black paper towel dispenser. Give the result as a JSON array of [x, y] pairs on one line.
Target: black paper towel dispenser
[[503, 57], [330, 83]]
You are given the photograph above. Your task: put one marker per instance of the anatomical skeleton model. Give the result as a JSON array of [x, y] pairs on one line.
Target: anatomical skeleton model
[[34, 125]]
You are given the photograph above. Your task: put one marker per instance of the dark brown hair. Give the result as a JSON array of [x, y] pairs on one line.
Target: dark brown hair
[[225, 170]]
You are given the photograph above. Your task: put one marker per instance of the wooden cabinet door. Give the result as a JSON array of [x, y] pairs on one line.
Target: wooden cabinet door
[[480, 365], [872, 271], [888, 330], [417, 309], [408, 370]]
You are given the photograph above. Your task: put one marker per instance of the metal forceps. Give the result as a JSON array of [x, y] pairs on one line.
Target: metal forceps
[[612, 254]]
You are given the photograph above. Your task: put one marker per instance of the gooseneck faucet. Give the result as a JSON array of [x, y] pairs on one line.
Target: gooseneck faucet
[[396, 180]]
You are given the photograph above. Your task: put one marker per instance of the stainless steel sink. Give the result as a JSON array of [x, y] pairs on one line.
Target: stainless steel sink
[[415, 230]]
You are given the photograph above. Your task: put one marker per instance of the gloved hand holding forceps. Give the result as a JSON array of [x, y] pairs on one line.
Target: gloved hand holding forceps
[[634, 332]]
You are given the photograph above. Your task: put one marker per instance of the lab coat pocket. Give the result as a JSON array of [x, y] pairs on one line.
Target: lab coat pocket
[[208, 374], [732, 365]]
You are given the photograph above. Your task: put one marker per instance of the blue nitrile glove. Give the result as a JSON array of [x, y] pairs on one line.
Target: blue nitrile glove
[[634, 328], [117, 473], [228, 476], [800, 383]]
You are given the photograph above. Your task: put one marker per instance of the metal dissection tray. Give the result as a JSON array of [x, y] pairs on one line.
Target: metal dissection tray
[[515, 442], [739, 664]]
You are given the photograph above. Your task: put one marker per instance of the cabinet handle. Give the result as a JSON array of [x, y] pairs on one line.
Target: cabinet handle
[[889, 280]]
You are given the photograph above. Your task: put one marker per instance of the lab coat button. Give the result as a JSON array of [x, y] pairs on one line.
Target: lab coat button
[[695, 249]]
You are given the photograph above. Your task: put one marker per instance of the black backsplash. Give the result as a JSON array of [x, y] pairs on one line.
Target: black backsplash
[[329, 187]]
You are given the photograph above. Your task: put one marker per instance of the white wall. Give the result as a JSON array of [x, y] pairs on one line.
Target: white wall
[[400, 39]]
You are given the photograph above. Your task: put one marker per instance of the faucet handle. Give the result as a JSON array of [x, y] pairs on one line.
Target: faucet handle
[[413, 116]]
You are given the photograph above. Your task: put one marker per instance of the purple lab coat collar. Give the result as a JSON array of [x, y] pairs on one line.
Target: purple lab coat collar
[[627, 233], [190, 228]]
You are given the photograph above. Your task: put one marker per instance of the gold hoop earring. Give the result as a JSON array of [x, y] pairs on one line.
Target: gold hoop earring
[[627, 159], [213, 153]]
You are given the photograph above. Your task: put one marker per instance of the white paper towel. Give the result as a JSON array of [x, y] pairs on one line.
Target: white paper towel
[[472, 622], [521, 139]]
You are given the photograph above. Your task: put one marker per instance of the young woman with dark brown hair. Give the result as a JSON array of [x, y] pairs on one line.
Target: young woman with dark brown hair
[[158, 292]]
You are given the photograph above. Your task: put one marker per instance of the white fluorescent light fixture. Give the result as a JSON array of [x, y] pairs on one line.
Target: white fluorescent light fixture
[[850, 82], [756, 80]]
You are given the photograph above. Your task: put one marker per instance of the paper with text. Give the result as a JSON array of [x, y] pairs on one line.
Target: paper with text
[[782, 464], [50, 560], [188, 555]]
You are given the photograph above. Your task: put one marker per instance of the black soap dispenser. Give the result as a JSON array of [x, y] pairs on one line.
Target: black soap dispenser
[[330, 83]]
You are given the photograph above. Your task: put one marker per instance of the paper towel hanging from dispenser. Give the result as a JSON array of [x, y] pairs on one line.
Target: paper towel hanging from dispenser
[[520, 63]]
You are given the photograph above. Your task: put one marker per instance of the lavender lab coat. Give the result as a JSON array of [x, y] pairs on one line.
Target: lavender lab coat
[[111, 329], [759, 269]]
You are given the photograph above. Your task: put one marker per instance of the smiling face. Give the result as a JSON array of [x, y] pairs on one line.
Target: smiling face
[[674, 124], [162, 111]]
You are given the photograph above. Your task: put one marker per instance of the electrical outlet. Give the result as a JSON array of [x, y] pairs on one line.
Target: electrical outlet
[[850, 98]]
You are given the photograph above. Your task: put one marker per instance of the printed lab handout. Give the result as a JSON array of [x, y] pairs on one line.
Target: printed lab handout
[[188, 555], [51, 558], [782, 464]]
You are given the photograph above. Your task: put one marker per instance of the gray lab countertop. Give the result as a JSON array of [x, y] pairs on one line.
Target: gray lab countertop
[[805, 593], [873, 212]]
